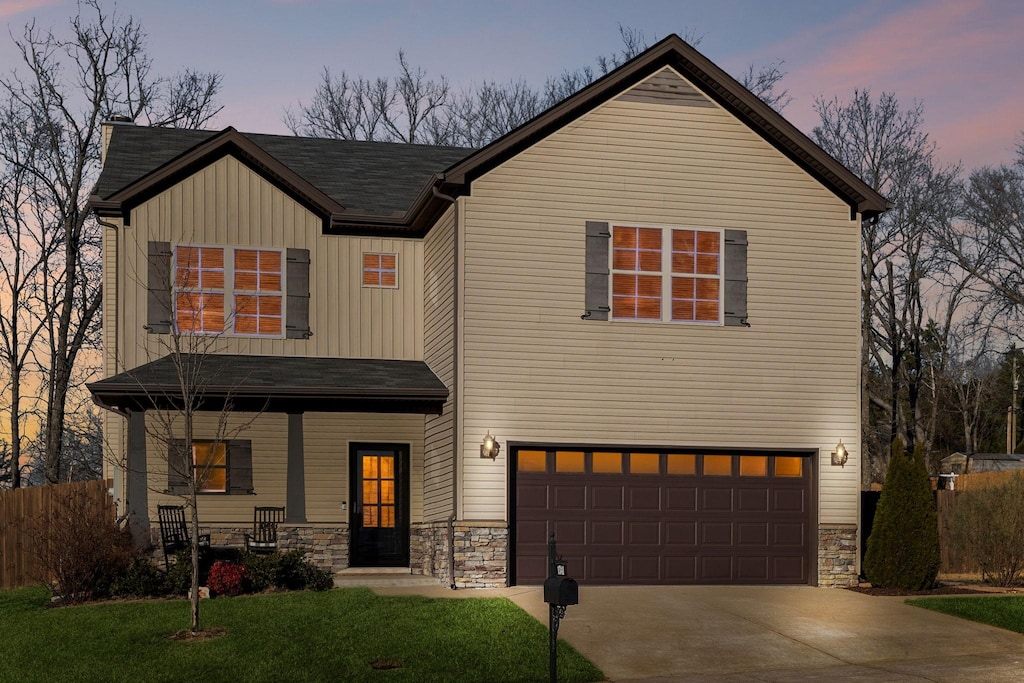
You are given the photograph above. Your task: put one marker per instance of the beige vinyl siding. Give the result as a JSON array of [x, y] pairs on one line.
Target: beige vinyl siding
[[326, 438], [534, 371], [113, 425], [227, 204], [438, 352]]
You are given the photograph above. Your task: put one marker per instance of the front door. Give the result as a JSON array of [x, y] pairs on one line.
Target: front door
[[379, 518]]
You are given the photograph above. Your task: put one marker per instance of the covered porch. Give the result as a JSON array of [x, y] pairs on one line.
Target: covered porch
[[337, 442]]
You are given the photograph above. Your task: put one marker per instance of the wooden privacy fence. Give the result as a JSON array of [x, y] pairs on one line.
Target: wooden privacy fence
[[952, 561], [23, 511], [945, 505]]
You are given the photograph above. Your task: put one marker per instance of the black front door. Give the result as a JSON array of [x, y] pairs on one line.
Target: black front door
[[379, 520]]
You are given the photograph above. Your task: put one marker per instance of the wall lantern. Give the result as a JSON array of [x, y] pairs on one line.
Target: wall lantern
[[490, 447], [840, 455]]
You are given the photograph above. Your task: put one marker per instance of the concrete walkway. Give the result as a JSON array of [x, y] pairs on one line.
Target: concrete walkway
[[744, 634]]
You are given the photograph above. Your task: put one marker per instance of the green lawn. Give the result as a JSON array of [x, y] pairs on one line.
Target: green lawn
[[1005, 611], [305, 636]]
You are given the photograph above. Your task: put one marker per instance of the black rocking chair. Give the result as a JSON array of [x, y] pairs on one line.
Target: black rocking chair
[[264, 530], [174, 534]]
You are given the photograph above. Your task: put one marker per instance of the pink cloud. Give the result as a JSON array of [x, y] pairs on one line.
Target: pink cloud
[[10, 8], [961, 58]]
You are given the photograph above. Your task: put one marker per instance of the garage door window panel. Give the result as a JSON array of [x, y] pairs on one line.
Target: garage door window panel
[[681, 464], [786, 466], [606, 462], [644, 463], [532, 461], [569, 461], [753, 465], [717, 465]]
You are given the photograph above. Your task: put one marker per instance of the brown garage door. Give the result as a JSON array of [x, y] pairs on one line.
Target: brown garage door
[[662, 516]]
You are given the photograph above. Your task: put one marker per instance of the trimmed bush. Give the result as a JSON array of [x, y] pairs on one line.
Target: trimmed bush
[[260, 571], [142, 579], [318, 579], [988, 527], [903, 549], [289, 570], [179, 576]]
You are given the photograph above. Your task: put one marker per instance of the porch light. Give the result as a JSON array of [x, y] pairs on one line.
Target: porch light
[[490, 447], [839, 455]]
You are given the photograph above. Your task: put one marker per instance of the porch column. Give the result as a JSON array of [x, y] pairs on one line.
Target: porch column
[[295, 494], [137, 491]]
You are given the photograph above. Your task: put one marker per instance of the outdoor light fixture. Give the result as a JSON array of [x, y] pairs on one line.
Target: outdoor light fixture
[[490, 447], [839, 455]]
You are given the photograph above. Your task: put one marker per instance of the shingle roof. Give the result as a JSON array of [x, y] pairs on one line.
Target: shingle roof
[[372, 178], [279, 384]]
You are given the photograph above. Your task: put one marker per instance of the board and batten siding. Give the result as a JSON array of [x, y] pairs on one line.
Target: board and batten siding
[[439, 354], [534, 371], [326, 439], [228, 204]]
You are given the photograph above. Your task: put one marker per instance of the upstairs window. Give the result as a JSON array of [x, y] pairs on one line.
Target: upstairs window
[[199, 289], [666, 274], [380, 270], [218, 289], [258, 293]]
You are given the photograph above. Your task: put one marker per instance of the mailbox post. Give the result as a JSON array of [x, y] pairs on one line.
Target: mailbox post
[[560, 591]]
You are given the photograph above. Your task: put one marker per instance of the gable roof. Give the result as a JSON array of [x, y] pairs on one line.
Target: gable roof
[[371, 182], [719, 86], [398, 189]]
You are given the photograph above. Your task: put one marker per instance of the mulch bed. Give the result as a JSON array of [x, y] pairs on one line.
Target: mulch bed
[[941, 589]]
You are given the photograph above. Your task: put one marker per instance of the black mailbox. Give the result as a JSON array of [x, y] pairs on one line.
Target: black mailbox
[[561, 590]]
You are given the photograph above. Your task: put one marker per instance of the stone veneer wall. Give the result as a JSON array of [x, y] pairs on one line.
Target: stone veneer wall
[[325, 546], [428, 550], [837, 556], [481, 553]]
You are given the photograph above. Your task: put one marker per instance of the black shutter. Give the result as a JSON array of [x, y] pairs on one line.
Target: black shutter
[[240, 466], [596, 301], [736, 277], [158, 307], [178, 464], [297, 309]]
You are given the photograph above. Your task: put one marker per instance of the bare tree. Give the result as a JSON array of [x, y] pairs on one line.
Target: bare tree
[[27, 243], [886, 146], [765, 82], [67, 87], [411, 107], [989, 242]]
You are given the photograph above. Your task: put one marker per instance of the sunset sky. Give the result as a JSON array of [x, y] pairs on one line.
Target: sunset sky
[[962, 58]]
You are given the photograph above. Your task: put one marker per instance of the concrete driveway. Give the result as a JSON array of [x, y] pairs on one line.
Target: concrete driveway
[[738, 634]]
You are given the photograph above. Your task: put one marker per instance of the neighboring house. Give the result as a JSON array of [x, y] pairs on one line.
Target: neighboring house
[[648, 296], [961, 463]]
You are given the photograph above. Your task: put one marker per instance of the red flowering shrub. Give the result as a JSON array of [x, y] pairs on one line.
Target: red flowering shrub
[[227, 578]]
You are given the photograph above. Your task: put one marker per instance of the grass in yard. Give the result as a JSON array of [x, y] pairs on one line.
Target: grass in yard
[[1002, 611], [331, 636]]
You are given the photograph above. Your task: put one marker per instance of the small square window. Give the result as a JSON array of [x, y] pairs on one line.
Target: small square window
[[380, 270], [753, 465]]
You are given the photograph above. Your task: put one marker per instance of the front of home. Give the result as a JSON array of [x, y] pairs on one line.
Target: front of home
[[647, 297]]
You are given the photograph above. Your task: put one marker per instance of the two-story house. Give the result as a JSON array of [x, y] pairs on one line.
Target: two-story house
[[632, 322]]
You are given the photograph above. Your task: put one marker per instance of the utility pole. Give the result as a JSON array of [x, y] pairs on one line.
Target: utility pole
[[1013, 409]]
